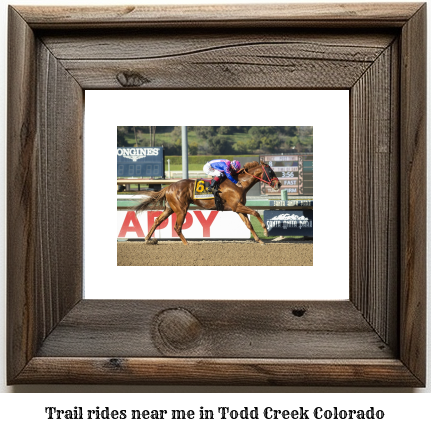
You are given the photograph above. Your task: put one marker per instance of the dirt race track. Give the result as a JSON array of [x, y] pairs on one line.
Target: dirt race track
[[216, 253]]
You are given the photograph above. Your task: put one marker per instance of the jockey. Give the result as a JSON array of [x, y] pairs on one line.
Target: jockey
[[220, 168]]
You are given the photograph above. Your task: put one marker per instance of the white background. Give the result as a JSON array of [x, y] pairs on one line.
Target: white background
[[17, 411], [321, 109]]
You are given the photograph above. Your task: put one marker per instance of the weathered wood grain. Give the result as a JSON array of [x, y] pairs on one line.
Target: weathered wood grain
[[56, 53], [22, 200], [374, 182], [226, 329], [375, 15], [244, 67], [201, 73], [258, 59], [44, 193], [413, 194], [231, 372], [59, 188], [140, 44]]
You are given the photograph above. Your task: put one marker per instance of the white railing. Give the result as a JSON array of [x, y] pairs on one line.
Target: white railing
[[179, 174]]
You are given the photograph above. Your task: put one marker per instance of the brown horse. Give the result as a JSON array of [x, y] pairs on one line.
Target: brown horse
[[178, 196]]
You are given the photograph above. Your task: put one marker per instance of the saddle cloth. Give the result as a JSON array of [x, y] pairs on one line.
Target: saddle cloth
[[200, 190]]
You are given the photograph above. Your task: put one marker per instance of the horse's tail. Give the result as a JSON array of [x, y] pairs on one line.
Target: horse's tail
[[153, 199]]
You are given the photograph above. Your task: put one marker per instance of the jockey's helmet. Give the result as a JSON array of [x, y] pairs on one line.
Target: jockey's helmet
[[235, 165]]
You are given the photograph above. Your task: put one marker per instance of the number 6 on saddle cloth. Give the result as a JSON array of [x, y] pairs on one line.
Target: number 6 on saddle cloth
[[200, 191]]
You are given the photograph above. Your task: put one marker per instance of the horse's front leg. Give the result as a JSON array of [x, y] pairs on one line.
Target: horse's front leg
[[241, 208], [250, 227], [262, 223]]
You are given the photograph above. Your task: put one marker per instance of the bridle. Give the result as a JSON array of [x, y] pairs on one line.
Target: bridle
[[261, 179]]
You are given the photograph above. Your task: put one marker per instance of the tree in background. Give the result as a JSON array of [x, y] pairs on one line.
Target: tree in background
[[220, 140], [121, 138], [220, 145], [241, 147], [265, 139], [291, 130], [176, 133], [226, 130], [152, 135], [193, 148], [205, 132]]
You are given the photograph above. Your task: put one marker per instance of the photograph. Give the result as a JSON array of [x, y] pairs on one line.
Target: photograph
[[239, 187]]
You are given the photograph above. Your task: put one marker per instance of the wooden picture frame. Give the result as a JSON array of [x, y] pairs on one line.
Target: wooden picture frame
[[376, 338]]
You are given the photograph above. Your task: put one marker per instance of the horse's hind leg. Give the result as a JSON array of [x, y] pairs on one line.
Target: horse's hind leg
[[179, 225], [166, 213], [250, 227]]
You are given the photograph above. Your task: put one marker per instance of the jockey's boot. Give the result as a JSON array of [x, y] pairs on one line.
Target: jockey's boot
[[213, 186]]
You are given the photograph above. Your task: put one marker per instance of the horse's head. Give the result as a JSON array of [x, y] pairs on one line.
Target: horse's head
[[269, 176], [261, 171]]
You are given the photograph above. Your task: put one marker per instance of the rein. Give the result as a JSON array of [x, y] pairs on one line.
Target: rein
[[261, 179]]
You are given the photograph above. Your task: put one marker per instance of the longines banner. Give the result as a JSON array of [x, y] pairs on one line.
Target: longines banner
[[199, 224], [140, 162]]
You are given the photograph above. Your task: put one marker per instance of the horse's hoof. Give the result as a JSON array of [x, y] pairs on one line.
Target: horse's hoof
[[151, 241], [261, 243], [265, 232]]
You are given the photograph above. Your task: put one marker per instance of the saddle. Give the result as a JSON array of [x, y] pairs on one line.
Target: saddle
[[200, 191]]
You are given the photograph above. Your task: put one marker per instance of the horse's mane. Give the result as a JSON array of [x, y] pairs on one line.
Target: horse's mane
[[249, 165]]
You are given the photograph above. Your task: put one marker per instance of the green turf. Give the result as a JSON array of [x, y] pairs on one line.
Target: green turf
[[259, 230]]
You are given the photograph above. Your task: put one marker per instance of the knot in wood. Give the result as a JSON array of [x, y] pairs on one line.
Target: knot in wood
[[178, 329], [298, 312], [131, 79], [115, 363]]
